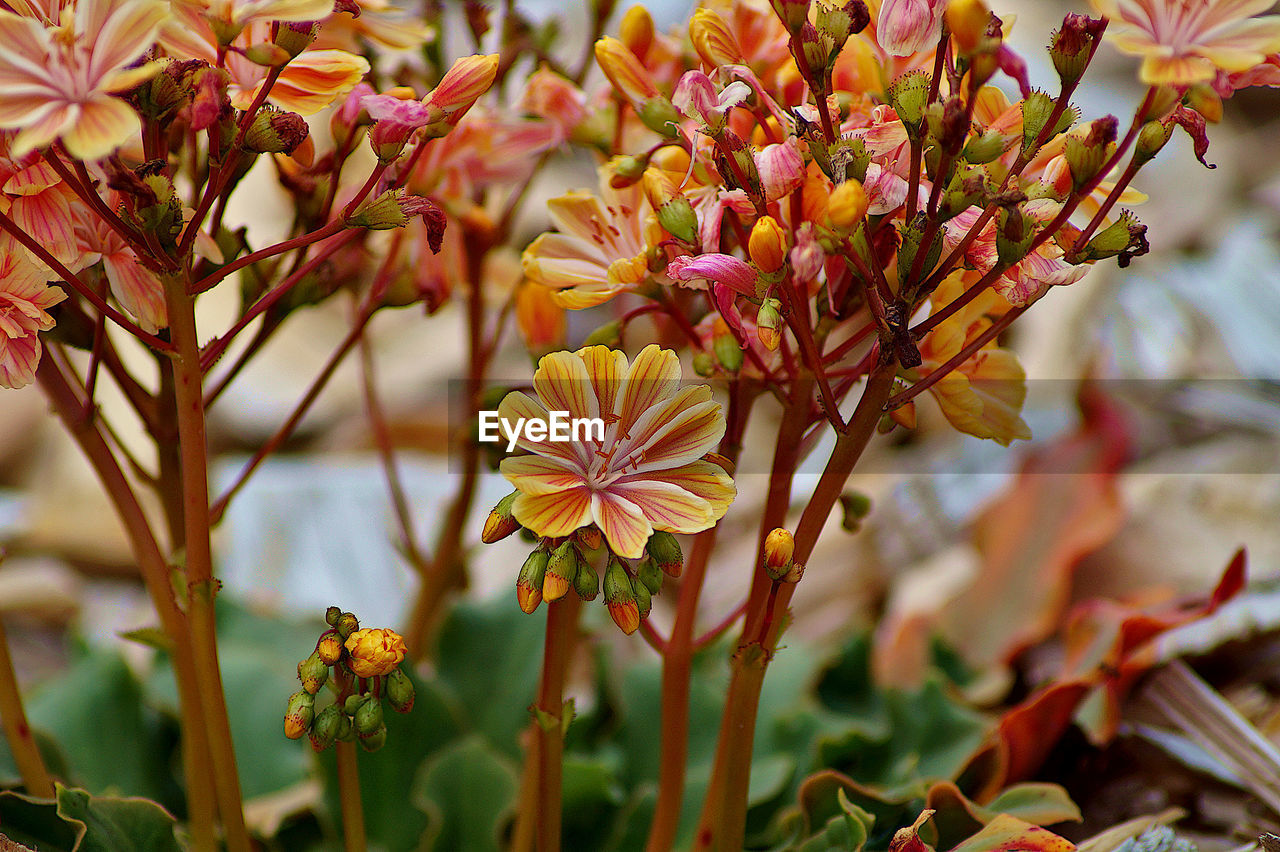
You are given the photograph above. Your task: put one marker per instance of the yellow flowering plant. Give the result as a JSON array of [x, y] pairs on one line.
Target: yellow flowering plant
[[789, 226]]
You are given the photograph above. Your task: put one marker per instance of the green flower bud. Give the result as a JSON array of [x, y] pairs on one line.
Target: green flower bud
[[275, 131], [324, 730], [529, 583], [293, 37], [393, 209], [346, 730], [679, 220], [313, 672], [703, 364], [728, 352], [368, 718], [562, 568], [1086, 153], [586, 584], [908, 96], [1071, 45], [400, 691], [620, 597], [331, 615], [374, 741], [1036, 110], [664, 548], [985, 148], [1015, 229], [1153, 136], [855, 506], [644, 598], [650, 575], [660, 116], [609, 334], [911, 235], [298, 716], [353, 703], [347, 624], [1124, 239], [501, 521]]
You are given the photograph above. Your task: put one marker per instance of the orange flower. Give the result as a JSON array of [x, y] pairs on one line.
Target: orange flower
[[1188, 41], [646, 473], [601, 248], [58, 82], [374, 651], [24, 302]]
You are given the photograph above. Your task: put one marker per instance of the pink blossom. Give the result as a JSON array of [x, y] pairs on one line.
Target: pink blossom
[[24, 302], [781, 169], [907, 26], [723, 269], [696, 97]]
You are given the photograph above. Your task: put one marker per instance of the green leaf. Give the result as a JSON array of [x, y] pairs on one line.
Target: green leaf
[[591, 795], [490, 656], [258, 655], [96, 714], [468, 791], [35, 823], [411, 738], [106, 824]]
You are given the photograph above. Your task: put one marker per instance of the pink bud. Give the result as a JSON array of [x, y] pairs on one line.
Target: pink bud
[[781, 169], [463, 84]]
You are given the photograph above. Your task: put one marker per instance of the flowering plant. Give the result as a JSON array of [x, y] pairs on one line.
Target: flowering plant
[[821, 212]]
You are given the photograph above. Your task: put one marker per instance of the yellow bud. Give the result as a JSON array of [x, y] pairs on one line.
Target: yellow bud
[[624, 70], [847, 205], [636, 30], [779, 547], [967, 20], [713, 39], [767, 244], [329, 648], [501, 522]]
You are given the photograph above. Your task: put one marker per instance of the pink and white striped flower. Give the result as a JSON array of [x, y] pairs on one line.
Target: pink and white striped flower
[[25, 299]]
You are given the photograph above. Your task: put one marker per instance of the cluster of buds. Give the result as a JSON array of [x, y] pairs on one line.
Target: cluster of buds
[[779, 557], [362, 667], [558, 566]]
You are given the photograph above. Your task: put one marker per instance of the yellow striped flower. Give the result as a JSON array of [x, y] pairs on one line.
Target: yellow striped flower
[[646, 473]]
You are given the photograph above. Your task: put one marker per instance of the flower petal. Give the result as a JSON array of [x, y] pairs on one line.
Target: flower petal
[[563, 384], [554, 514], [667, 506], [622, 522], [540, 474], [654, 375]]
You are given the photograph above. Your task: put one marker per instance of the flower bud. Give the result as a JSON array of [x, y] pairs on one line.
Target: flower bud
[[298, 716], [1203, 99], [625, 72], [620, 597], [650, 575], [727, 350], [703, 364], [644, 598], [347, 624], [393, 209], [665, 550], [1124, 239], [967, 21], [368, 719], [909, 95], [779, 546], [1037, 108], [627, 170], [529, 583], [400, 691], [837, 22], [374, 651], [329, 648], [713, 39], [609, 334], [675, 213], [331, 615], [793, 575], [293, 37], [459, 89], [767, 244], [1071, 46], [275, 131], [374, 741], [1015, 229], [847, 205], [586, 583], [354, 702], [501, 521], [313, 672], [985, 148], [744, 164], [346, 730], [266, 55], [769, 324], [636, 30], [792, 13], [911, 236], [324, 730], [1153, 136], [562, 568], [1086, 153]]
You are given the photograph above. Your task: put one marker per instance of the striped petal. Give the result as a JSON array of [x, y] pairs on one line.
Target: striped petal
[[606, 367], [654, 375], [540, 474], [701, 478], [690, 435], [622, 522], [563, 384], [517, 405], [554, 514], [667, 506]]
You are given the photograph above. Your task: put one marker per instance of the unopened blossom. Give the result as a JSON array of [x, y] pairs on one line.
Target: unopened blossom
[[25, 300], [58, 82], [647, 473], [462, 85], [1182, 42], [600, 249], [907, 26], [555, 99], [229, 17], [374, 651]]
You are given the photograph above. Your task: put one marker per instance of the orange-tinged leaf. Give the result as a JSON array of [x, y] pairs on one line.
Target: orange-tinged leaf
[[1009, 834]]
